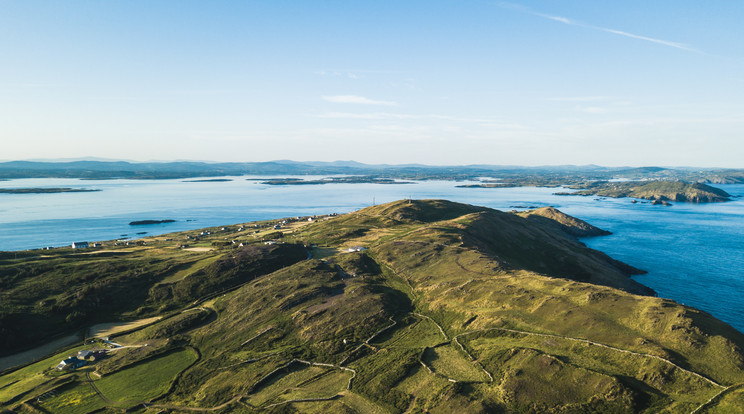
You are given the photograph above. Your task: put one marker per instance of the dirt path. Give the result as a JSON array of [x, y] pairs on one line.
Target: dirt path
[[716, 397], [37, 353]]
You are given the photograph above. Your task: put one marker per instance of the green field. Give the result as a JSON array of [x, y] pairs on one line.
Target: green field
[[78, 399], [146, 380], [300, 382], [451, 363]]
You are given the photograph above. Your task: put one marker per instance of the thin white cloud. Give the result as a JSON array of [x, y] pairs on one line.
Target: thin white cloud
[[386, 116], [374, 116], [570, 22], [648, 39], [580, 98], [357, 100]]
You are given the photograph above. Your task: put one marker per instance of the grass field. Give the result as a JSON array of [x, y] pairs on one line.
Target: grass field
[[77, 399], [299, 383], [600, 359], [410, 332], [360, 404], [451, 363], [193, 267], [147, 380]]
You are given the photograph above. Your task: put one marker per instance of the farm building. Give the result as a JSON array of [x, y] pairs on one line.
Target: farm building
[[71, 363], [80, 245], [93, 355]]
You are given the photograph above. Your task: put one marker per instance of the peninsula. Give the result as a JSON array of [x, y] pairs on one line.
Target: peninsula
[[410, 306], [329, 180], [147, 222], [45, 190], [209, 180]]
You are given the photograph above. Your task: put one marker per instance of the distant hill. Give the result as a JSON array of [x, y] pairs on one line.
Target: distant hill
[[655, 190], [410, 306], [509, 175]]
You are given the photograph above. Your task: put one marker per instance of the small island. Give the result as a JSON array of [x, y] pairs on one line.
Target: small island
[[330, 180], [208, 180], [487, 185], [659, 191], [45, 190], [146, 222]]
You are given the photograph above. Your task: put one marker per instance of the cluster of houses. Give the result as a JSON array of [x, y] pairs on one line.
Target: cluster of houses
[[85, 245], [81, 359]]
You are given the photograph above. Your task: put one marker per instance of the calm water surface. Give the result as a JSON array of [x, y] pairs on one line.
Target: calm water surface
[[694, 253]]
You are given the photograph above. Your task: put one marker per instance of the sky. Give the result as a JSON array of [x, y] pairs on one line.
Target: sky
[[553, 82]]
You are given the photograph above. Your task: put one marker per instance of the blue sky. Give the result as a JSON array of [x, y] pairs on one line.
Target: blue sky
[[436, 82]]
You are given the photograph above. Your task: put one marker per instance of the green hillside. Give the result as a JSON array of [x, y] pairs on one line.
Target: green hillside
[[411, 306]]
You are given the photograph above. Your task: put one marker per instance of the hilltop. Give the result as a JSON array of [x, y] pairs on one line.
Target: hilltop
[[411, 306]]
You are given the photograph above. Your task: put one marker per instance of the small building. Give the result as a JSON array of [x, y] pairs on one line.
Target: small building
[[356, 249], [80, 245], [91, 355], [277, 227], [97, 244], [70, 364], [270, 242]]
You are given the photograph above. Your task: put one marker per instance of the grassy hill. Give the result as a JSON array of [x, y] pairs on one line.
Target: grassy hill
[[412, 306]]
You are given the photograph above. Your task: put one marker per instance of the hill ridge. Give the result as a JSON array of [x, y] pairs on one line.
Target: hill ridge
[[419, 305]]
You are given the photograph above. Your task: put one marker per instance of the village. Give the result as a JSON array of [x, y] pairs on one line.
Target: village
[[255, 230]]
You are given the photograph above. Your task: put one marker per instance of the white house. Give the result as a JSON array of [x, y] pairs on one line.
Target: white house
[[80, 245]]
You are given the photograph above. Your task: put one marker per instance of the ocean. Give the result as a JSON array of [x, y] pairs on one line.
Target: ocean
[[693, 252]]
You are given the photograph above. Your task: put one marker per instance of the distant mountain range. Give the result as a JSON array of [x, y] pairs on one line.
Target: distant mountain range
[[105, 169]]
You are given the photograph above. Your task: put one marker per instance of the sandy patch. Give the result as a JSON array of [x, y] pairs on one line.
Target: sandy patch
[[198, 249], [108, 329]]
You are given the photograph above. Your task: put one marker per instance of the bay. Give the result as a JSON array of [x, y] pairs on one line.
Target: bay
[[693, 252]]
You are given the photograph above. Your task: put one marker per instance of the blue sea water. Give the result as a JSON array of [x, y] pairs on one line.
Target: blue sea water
[[693, 252]]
